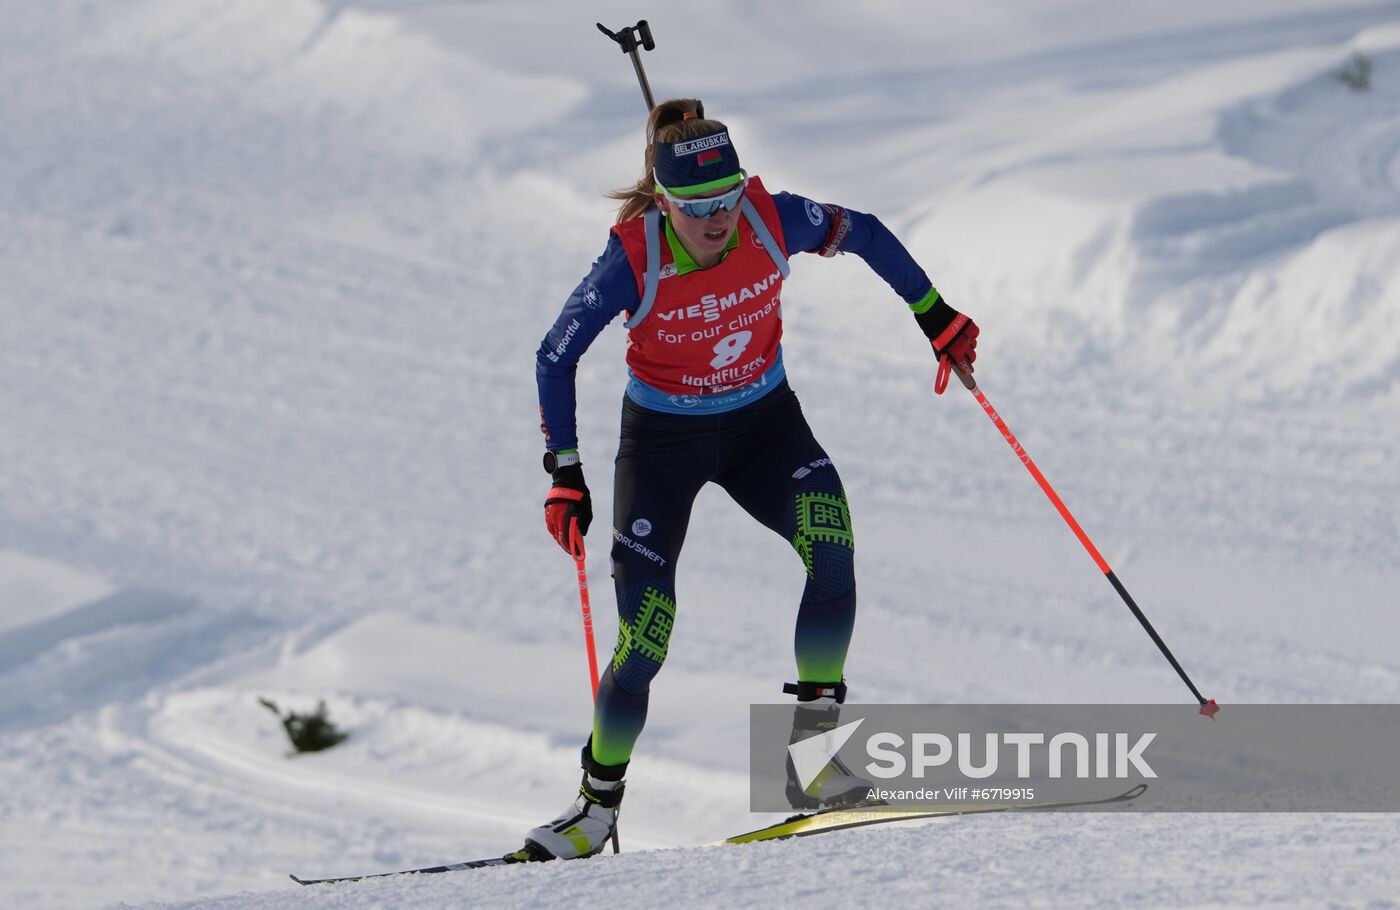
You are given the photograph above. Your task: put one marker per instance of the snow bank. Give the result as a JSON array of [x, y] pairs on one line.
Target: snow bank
[[1188, 208]]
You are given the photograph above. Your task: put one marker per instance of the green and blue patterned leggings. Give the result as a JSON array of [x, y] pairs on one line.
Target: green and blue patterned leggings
[[765, 457]]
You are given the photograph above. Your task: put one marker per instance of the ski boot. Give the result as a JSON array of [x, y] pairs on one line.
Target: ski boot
[[589, 823], [818, 712]]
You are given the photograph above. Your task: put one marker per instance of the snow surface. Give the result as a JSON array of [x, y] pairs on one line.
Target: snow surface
[[273, 276]]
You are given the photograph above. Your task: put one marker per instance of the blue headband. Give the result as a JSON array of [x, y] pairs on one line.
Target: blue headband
[[697, 165]]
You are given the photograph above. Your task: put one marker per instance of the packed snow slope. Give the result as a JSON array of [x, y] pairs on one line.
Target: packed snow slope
[[272, 276]]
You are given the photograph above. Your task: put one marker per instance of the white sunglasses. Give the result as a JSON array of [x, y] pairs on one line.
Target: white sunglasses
[[708, 205]]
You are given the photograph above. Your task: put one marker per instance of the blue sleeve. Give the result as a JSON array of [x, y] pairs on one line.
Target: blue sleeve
[[808, 225], [609, 288]]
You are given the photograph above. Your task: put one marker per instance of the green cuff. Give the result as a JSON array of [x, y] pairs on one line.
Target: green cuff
[[925, 303]]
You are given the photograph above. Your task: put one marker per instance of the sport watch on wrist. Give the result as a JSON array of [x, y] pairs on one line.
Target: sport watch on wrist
[[553, 461]]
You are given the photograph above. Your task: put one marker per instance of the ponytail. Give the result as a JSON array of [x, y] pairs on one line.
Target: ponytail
[[670, 121]]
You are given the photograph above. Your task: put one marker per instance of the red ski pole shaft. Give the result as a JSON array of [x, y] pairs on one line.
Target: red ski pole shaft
[[580, 560], [1208, 706]]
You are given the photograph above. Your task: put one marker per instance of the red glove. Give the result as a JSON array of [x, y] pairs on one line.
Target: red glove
[[568, 510], [954, 339]]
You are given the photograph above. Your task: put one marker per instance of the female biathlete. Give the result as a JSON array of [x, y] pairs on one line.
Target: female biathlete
[[696, 264]]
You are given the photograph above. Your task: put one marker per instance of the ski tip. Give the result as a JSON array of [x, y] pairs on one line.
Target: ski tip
[[1209, 708], [295, 879]]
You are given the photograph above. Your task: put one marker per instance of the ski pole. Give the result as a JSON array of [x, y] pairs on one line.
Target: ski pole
[[1208, 706], [580, 559], [630, 39]]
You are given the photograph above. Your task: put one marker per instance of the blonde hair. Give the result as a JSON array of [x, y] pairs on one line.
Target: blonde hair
[[667, 123]]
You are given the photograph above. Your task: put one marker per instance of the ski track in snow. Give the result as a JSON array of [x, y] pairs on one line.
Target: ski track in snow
[[274, 274]]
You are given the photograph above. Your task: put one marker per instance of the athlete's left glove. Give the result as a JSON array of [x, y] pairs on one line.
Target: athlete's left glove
[[568, 511], [954, 339]]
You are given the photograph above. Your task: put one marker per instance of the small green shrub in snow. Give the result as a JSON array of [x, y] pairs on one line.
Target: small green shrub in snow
[[1356, 75], [308, 732]]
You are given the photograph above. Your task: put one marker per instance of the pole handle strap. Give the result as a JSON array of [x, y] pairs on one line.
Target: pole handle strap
[[945, 369]]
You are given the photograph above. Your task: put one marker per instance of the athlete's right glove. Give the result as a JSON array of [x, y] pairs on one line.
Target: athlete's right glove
[[954, 339], [568, 511]]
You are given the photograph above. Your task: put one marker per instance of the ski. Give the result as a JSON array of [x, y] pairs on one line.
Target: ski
[[829, 820], [822, 822], [510, 859]]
